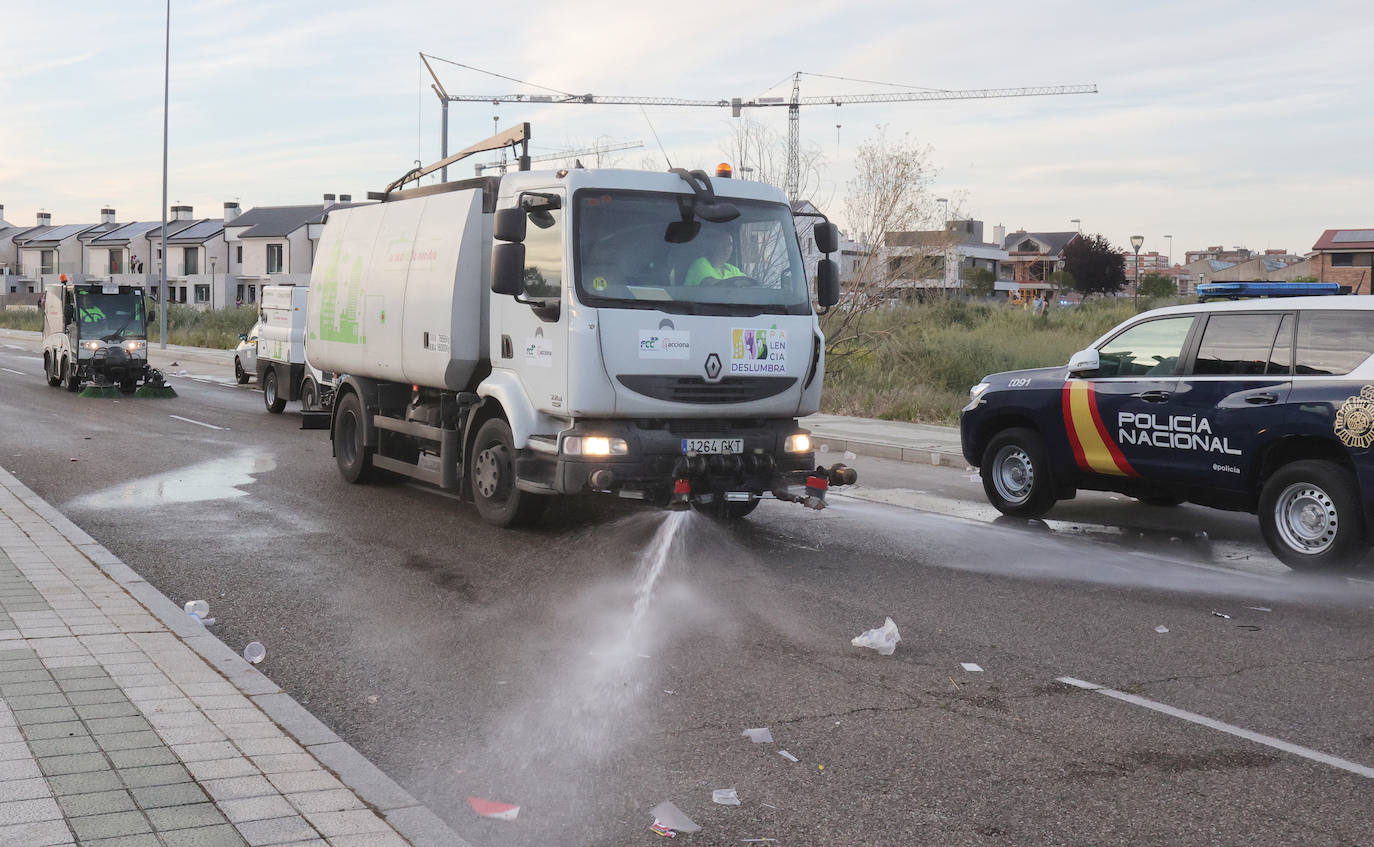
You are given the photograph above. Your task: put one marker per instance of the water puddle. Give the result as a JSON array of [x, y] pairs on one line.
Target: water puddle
[[217, 479]]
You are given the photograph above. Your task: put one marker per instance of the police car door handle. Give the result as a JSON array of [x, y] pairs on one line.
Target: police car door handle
[[1261, 399], [1154, 396]]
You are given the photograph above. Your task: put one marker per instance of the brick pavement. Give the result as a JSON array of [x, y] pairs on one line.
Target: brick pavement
[[125, 724]]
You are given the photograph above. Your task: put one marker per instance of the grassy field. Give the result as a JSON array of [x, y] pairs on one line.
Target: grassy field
[[923, 358], [219, 328]]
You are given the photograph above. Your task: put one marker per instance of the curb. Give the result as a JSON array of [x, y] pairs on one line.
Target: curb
[[946, 457], [415, 822]]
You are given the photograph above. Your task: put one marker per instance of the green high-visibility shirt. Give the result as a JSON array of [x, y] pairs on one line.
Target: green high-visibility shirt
[[703, 269]]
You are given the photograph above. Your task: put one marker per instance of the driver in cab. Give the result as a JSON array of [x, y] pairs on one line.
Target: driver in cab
[[715, 266]]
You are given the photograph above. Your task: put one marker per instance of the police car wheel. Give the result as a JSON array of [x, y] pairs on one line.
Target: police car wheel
[[1310, 515], [1016, 474], [239, 373]]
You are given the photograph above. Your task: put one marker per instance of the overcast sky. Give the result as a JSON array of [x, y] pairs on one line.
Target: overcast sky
[[1243, 123]]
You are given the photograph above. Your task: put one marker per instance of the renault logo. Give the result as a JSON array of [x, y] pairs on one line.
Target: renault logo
[[712, 366]]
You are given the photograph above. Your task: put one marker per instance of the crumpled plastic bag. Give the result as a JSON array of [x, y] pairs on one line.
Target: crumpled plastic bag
[[884, 639], [672, 817]]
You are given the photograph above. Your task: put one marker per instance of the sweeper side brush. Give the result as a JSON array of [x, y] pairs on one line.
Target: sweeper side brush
[[155, 386]]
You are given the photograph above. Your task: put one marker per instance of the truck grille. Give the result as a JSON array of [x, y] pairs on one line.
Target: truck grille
[[694, 389]]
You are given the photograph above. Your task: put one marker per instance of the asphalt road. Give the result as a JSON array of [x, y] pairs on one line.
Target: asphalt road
[[545, 668]]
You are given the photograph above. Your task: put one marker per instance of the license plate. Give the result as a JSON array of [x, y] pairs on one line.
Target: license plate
[[711, 446]]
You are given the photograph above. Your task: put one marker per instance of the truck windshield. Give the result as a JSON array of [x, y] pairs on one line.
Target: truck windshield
[[110, 316], [646, 250]]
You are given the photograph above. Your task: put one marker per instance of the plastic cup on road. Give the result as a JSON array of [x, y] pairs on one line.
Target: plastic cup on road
[[199, 608], [254, 652]]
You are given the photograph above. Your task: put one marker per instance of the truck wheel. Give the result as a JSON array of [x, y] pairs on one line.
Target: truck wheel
[[274, 401], [310, 395], [492, 475], [239, 373], [350, 451], [50, 371], [1016, 474], [1309, 513], [70, 376]]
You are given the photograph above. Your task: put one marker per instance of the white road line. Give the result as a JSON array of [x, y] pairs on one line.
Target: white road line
[[1211, 723], [197, 423], [13, 371]]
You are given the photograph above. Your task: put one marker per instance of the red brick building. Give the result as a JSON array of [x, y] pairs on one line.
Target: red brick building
[[1346, 257]]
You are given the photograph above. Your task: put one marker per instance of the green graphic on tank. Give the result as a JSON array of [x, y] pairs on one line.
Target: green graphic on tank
[[341, 313]]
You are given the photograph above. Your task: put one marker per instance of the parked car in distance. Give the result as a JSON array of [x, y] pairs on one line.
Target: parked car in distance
[[246, 354]]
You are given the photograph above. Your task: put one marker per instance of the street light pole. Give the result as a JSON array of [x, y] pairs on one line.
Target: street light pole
[[1136, 241], [162, 265]]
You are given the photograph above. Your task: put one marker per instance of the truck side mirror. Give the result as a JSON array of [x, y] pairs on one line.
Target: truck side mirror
[[509, 226], [827, 237], [508, 267], [1083, 362], [68, 313], [827, 283]]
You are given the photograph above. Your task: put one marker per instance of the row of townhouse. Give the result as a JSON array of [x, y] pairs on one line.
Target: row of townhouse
[[211, 262]]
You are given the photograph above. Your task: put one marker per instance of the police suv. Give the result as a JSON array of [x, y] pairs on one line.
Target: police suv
[[1264, 406]]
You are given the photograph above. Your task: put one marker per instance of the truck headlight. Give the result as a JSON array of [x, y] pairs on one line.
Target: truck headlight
[[91, 345], [797, 442], [136, 344], [594, 445]]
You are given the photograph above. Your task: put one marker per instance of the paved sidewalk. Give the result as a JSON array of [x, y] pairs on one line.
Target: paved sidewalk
[[124, 722], [906, 442]]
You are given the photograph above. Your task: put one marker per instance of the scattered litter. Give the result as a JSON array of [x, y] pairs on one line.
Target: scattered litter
[[500, 682], [1175, 538], [73, 459], [493, 809], [254, 652], [181, 373], [1161, 629], [1259, 608], [758, 840], [934, 458], [725, 797], [371, 699], [87, 438], [763, 735], [1249, 626], [671, 817], [1201, 535], [851, 456], [971, 667], [666, 691], [788, 756], [198, 608], [820, 767], [768, 806], [952, 682], [1215, 613], [659, 829], [884, 639], [824, 448], [174, 364]]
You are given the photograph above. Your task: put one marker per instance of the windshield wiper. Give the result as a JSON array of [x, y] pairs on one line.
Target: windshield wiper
[[118, 334]]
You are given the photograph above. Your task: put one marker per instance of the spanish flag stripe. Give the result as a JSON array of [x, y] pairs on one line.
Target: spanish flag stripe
[[1084, 423], [1073, 433], [1118, 458]]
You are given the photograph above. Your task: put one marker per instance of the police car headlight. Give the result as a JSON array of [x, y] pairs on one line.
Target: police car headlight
[[798, 442], [594, 445], [977, 391]]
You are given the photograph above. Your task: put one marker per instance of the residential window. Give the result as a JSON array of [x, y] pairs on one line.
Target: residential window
[[238, 254], [1331, 343], [1342, 260], [191, 261], [45, 262], [239, 294], [274, 258], [252, 294], [14, 289], [116, 262], [202, 293]]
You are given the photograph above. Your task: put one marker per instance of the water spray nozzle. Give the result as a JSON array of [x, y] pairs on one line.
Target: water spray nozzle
[[682, 495]]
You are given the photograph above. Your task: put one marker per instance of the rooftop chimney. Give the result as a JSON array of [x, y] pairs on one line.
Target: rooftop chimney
[[45, 218], [231, 211], [329, 199], [345, 198], [181, 213], [999, 234], [107, 216]]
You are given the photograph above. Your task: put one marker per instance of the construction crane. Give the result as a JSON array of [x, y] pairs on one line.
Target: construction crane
[[568, 154], [737, 104]]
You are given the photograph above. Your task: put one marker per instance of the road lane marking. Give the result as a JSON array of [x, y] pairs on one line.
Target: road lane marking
[[1212, 723], [197, 423], [13, 371]]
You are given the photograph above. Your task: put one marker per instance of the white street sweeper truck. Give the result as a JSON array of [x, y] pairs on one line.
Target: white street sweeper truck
[[645, 335]]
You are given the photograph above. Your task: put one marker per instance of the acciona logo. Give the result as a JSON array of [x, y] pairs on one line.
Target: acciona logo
[[664, 344]]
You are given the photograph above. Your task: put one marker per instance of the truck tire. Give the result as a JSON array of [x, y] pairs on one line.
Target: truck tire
[[1310, 515], [1016, 473], [70, 376], [239, 373], [491, 472], [270, 396], [350, 428], [50, 371], [310, 395]]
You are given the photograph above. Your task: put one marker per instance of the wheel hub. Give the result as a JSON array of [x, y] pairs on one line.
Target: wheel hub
[[1013, 474], [487, 473], [1306, 518]]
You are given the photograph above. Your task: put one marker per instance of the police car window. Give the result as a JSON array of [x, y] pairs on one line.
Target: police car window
[[1334, 342], [1281, 359], [1236, 345], [1146, 349]]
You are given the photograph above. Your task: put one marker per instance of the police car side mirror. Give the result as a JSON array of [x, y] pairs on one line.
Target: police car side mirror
[[1084, 361]]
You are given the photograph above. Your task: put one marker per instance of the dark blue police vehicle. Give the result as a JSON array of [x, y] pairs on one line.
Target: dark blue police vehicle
[[1265, 406]]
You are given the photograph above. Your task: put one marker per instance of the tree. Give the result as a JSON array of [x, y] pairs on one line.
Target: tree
[[889, 194], [764, 151], [1158, 285], [979, 282], [1096, 266]]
